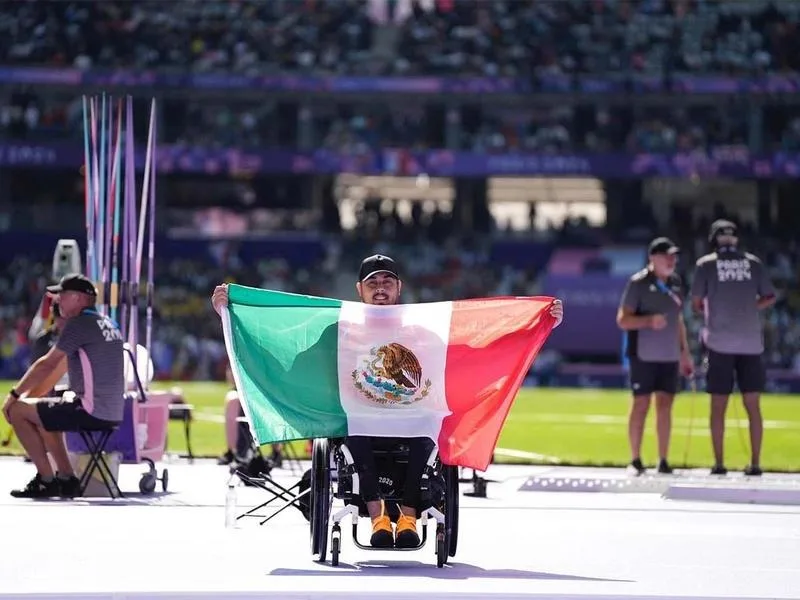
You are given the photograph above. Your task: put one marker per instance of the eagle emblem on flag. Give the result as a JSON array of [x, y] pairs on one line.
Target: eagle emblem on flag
[[391, 374]]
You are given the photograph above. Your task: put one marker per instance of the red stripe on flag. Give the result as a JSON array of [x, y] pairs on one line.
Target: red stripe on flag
[[491, 348]]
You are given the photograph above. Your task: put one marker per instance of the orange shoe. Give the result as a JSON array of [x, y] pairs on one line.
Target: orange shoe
[[406, 536], [382, 530]]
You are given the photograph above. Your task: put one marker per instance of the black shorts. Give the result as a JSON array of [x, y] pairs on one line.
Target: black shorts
[[747, 369], [648, 377], [59, 414]]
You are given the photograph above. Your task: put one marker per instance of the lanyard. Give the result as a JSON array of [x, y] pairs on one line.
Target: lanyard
[[92, 312], [664, 289]]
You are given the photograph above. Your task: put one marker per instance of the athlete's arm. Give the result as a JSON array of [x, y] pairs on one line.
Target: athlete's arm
[[682, 337], [627, 320], [220, 297], [699, 287], [40, 370]]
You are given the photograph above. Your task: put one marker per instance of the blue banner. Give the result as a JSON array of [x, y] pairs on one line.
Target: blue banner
[[589, 84], [236, 161]]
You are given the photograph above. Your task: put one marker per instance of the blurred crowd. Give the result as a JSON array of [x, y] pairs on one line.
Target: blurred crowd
[[355, 129], [501, 37], [206, 35], [438, 263], [517, 38]]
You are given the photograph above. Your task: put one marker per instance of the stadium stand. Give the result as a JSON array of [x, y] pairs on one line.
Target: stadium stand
[[529, 40]]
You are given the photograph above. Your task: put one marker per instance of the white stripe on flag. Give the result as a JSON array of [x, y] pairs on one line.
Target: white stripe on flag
[[424, 329]]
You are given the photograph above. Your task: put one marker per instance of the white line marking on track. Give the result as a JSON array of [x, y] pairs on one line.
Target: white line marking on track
[[571, 419], [527, 455]]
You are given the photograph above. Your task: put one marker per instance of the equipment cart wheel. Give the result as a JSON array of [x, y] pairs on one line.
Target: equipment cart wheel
[[147, 483]]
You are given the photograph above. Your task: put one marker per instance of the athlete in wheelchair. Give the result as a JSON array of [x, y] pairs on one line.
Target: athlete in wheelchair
[[392, 481]]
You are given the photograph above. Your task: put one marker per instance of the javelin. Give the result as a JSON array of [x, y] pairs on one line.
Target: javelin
[[88, 195], [129, 209], [151, 244]]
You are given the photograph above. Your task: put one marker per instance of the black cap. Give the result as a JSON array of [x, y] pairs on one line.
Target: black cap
[[662, 245], [73, 283], [375, 264], [721, 227]]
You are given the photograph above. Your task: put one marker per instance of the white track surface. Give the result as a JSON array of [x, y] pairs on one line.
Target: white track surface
[[513, 544]]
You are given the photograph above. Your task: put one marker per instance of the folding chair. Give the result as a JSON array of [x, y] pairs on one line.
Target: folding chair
[[247, 449], [297, 495], [96, 440], [254, 470], [122, 438]]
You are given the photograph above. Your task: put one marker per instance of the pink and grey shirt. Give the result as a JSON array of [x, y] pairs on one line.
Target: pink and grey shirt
[[95, 363]]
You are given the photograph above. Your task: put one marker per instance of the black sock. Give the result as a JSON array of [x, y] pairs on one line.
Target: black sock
[[46, 479], [65, 476]]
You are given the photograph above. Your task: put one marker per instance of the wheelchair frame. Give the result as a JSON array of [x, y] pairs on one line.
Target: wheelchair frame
[[436, 477]]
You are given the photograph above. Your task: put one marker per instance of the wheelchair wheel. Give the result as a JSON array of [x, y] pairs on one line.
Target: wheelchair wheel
[[451, 508], [320, 499]]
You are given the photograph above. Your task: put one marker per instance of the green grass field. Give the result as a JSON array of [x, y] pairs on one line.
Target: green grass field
[[564, 426]]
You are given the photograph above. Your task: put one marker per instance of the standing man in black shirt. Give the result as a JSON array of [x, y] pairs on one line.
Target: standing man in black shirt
[[656, 347]]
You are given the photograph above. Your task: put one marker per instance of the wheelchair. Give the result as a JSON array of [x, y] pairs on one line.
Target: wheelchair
[[333, 475]]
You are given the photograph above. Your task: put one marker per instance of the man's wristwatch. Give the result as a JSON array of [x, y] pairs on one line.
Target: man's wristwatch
[[14, 393]]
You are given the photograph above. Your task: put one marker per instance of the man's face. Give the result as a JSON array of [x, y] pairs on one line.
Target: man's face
[[72, 303], [381, 288], [664, 264], [727, 241]]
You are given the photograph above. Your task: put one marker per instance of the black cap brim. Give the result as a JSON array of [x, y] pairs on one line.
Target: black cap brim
[[373, 273], [670, 250]]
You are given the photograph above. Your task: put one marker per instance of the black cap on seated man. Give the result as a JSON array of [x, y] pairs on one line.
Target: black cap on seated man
[[74, 283]]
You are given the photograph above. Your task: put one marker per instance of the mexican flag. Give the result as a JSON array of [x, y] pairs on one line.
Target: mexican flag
[[308, 367]]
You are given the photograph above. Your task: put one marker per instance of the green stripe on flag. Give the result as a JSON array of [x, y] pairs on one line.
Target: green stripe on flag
[[283, 350]]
